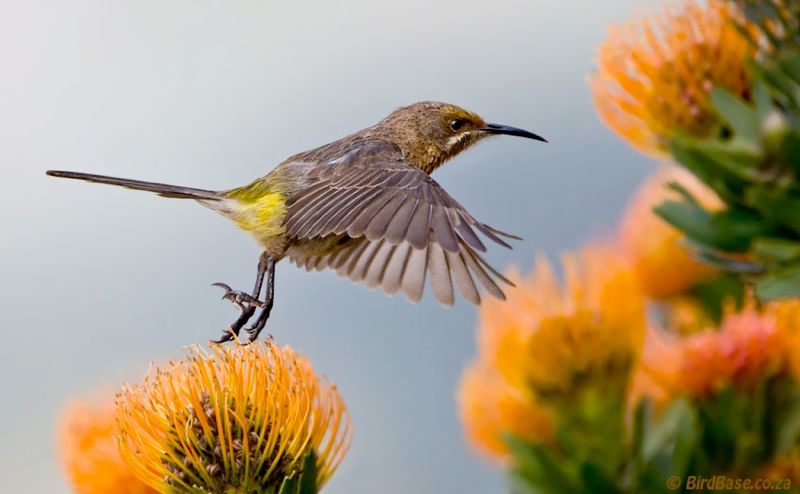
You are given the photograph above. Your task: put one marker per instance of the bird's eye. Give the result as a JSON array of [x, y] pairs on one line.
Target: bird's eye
[[457, 124]]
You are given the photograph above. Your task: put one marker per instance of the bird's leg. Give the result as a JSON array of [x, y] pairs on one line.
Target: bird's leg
[[266, 307], [246, 303]]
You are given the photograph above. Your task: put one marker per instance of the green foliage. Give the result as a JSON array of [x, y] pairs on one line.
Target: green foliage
[[753, 164], [778, 22], [303, 481], [733, 432]]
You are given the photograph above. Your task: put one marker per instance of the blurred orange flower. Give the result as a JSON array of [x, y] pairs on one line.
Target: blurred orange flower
[[552, 336], [654, 75], [548, 342], [746, 348], [89, 455], [787, 316], [652, 246], [235, 419], [491, 408], [686, 315]]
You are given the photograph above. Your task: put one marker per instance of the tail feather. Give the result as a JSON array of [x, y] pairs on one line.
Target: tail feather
[[164, 190]]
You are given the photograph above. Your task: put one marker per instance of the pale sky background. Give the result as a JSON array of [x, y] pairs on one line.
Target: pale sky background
[[95, 282]]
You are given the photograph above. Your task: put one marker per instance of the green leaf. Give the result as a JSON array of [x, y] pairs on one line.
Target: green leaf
[[304, 481], [595, 480], [290, 485], [790, 63], [688, 151], [729, 230], [686, 437], [715, 292], [779, 284], [775, 250], [763, 101], [308, 479], [661, 436], [738, 114], [536, 468], [736, 156], [790, 150], [775, 205]]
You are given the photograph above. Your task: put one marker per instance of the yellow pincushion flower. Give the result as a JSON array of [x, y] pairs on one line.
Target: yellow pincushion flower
[[654, 75], [553, 337], [653, 247], [89, 455], [238, 419]]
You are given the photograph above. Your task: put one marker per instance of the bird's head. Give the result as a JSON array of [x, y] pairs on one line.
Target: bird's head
[[430, 133]]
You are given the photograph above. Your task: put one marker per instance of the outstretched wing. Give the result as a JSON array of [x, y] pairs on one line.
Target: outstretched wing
[[403, 226]]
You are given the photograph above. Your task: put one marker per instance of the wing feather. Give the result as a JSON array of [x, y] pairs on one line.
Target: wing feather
[[396, 227]]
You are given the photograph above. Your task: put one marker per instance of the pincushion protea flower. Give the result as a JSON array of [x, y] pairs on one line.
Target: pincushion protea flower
[[552, 336], [239, 419], [88, 452], [654, 75], [554, 349], [490, 409], [653, 247], [748, 347]]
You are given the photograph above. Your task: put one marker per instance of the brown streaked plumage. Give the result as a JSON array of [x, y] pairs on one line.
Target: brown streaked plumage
[[364, 206]]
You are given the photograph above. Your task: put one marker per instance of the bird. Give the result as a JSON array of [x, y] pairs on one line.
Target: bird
[[365, 206]]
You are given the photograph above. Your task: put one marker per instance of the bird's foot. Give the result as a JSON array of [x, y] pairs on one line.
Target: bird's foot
[[255, 329], [238, 298], [246, 304]]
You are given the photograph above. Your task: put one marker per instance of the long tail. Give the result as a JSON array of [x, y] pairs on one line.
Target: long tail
[[165, 190]]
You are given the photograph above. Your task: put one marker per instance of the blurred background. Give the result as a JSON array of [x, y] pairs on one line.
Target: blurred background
[[96, 282]]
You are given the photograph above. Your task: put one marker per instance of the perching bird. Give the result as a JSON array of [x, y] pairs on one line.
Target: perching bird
[[365, 206]]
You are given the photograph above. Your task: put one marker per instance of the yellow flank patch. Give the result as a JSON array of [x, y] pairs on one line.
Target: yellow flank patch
[[262, 217]]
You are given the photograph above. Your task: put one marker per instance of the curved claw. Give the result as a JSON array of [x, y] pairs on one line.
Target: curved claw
[[228, 289], [238, 298], [226, 337]]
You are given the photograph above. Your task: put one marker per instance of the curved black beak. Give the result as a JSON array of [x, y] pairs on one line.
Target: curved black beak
[[492, 128]]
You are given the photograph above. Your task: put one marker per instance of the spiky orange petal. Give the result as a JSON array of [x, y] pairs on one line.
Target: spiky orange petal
[[232, 419], [654, 75]]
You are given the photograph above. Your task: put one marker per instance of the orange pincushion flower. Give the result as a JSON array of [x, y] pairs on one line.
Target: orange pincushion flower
[[546, 344], [654, 75], [647, 384], [491, 408], [238, 419], [653, 246], [747, 347], [90, 456], [787, 315], [551, 336]]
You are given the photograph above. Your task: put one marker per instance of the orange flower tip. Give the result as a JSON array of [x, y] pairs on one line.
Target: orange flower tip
[[654, 75], [747, 348], [491, 410], [551, 334], [655, 249], [88, 452], [240, 418]]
